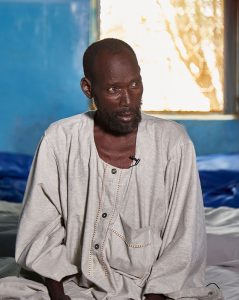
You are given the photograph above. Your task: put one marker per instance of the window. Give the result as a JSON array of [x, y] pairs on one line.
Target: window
[[180, 47]]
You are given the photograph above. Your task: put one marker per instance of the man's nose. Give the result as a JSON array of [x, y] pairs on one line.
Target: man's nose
[[125, 98]]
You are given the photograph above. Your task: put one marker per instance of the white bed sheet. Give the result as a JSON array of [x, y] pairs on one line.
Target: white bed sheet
[[222, 235], [223, 249], [9, 216]]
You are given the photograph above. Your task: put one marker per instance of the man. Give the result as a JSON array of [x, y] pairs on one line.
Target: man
[[113, 206]]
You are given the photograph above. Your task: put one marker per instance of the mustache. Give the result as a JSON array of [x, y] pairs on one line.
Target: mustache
[[127, 110]]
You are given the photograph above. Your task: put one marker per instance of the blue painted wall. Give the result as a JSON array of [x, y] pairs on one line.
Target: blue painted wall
[[213, 136], [41, 47]]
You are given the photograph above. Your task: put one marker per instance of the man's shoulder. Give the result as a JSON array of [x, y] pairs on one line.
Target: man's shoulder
[[166, 128], [167, 135], [68, 126]]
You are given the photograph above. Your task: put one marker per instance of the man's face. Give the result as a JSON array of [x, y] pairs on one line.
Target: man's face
[[117, 90]]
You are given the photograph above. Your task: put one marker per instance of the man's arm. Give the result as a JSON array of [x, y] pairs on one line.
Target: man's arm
[[40, 245], [56, 290], [184, 222]]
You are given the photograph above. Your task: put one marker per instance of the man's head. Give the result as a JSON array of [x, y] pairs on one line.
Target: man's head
[[112, 45], [112, 78]]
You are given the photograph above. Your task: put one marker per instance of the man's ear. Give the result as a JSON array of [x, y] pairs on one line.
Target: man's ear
[[86, 87]]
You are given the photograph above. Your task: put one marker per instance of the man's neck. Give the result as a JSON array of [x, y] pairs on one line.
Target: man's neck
[[115, 149]]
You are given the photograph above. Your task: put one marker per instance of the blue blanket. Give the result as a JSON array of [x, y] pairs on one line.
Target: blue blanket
[[14, 170], [219, 176]]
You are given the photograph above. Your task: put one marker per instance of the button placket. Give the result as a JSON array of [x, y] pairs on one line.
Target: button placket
[[110, 181], [109, 201]]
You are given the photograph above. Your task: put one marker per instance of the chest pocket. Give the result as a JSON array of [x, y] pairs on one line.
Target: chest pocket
[[130, 251]]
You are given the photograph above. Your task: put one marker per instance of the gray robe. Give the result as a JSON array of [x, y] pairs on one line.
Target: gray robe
[[113, 233]]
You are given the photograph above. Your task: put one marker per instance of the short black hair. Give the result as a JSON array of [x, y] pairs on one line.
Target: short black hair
[[114, 46]]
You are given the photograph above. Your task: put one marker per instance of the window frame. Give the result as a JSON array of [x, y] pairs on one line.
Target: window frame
[[231, 57]]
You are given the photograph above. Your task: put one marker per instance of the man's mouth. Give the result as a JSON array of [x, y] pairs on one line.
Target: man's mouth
[[126, 116]]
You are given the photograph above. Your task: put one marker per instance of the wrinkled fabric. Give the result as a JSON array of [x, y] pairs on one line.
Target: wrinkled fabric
[[115, 233], [219, 175], [14, 169]]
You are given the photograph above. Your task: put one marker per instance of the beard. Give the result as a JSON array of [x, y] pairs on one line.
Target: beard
[[111, 123]]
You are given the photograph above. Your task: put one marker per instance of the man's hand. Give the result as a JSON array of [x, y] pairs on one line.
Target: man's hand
[[154, 297], [56, 290]]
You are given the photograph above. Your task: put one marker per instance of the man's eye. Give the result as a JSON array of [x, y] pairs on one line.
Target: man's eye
[[134, 84], [112, 89]]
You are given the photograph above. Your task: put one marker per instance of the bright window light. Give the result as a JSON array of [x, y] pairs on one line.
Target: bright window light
[[179, 45]]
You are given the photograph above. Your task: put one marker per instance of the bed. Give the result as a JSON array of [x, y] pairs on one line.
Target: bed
[[219, 176]]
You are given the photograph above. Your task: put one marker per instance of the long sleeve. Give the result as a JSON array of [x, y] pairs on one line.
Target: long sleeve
[[179, 269], [41, 237]]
